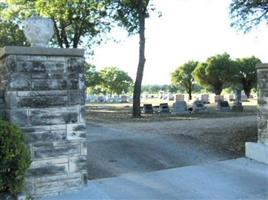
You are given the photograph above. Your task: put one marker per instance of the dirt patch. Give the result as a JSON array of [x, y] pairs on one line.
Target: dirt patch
[[225, 133]]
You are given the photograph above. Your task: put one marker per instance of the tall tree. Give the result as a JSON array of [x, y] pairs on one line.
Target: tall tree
[[115, 81], [183, 77], [216, 73], [131, 14], [76, 23], [248, 13], [92, 75], [246, 73]]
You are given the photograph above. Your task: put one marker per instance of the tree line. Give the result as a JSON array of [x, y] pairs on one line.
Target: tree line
[[217, 73], [109, 80]]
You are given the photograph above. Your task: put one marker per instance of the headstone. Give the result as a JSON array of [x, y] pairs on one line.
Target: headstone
[[164, 108], [205, 98], [237, 104], [148, 109], [244, 98], [231, 97], [223, 106], [180, 107], [179, 97], [171, 97], [199, 106], [101, 99], [218, 98], [161, 94], [124, 99], [156, 109]]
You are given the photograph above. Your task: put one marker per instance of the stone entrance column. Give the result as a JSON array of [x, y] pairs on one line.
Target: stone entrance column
[[42, 92], [259, 151]]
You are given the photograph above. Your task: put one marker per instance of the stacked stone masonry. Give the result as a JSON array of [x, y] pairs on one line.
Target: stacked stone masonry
[[262, 74], [45, 95]]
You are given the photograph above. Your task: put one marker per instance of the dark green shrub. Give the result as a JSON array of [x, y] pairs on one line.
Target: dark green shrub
[[15, 158]]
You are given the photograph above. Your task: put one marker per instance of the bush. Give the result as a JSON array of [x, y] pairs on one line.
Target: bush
[[15, 158]]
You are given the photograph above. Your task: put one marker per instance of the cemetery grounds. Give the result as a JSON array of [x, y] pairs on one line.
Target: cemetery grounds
[[227, 131]]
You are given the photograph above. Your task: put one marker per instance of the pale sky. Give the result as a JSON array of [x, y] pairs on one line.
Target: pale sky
[[188, 30]]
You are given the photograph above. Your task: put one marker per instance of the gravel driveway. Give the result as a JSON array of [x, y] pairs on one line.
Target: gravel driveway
[[118, 148]]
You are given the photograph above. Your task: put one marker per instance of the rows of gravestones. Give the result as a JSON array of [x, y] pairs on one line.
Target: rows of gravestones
[[206, 98], [108, 99], [180, 106], [199, 104]]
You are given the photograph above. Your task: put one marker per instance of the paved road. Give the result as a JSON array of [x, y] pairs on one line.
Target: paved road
[[115, 151], [227, 180]]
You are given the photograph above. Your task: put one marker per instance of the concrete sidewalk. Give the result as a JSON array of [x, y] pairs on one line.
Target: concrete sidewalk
[[226, 180]]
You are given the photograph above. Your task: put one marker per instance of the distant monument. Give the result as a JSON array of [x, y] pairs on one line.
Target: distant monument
[[237, 103], [42, 90]]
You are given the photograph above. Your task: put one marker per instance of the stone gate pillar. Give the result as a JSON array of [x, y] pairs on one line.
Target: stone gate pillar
[[42, 92], [259, 151]]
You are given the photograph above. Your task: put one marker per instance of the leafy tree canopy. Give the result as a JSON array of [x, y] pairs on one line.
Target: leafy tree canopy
[[216, 73], [248, 13], [183, 77], [126, 13], [10, 34], [115, 81], [92, 75], [246, 73], [76, 22]]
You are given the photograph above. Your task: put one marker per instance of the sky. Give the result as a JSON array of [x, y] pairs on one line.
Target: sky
[[187, 30]]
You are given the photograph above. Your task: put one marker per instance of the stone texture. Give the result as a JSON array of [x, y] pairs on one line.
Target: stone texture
[[37, 51], [259, 151], [43, 92], [262, 74]]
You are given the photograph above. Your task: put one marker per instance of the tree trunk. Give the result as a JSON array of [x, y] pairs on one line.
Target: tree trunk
[[137, 87], [57, 32], [64, 36], [76, 38], [190, 92], [218, 90], [247, 88]]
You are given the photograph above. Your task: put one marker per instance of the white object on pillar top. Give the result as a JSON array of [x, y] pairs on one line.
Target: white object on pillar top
[[38, 31]]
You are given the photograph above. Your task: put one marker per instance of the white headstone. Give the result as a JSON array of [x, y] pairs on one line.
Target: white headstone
[[179, 97], [218, 98], [205, 98]]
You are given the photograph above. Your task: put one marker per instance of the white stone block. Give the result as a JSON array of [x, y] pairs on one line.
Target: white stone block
[[257, 151]]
